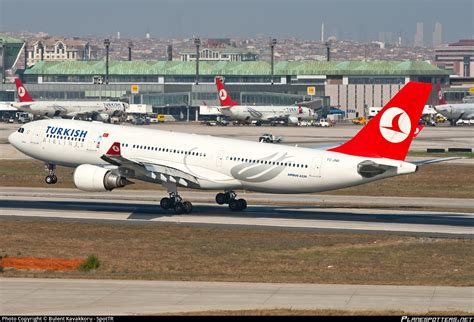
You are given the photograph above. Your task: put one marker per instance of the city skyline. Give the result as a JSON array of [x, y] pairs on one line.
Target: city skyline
[[361, 21]]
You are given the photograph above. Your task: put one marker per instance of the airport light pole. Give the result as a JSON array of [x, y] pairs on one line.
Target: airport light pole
[[26, 61], [328, 50], [4, 47], [197, 42], [272, 48], [107, 44], [41, 47], [130, 45]]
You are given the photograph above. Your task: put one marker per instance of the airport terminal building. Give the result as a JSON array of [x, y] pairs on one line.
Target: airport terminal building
[[173, 87]]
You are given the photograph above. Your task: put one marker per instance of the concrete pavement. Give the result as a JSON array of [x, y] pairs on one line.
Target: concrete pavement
[[24, 296]]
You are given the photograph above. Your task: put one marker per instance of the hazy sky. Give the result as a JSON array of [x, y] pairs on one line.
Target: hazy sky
[[346, 19]]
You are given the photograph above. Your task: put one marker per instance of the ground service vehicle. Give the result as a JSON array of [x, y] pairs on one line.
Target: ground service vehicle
[[359, 121], [269, 138]]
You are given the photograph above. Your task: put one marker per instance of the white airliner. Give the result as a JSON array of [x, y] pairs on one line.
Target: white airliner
[[7, 107], [96, 109], [454, 112], [109, 156], [237, 112]]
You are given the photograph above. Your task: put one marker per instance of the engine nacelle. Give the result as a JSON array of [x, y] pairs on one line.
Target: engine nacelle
[[104, 117], [292, 119], [90, 177]]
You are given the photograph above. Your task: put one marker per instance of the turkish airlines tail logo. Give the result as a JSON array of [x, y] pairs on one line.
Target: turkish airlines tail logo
[[395, 125], [23, 94], [224, 97], [114, 149], [390, 133]]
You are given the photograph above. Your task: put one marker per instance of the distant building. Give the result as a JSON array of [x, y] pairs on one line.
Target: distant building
[[419, 35], [437, 35], [50, 49], [218, 50], [10, 49], [458, 57], [169, 85]]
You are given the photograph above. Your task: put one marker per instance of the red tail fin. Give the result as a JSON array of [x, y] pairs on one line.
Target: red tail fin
[[441, 99], [224, 97], [114, 149], [390, 132], [22, 92]]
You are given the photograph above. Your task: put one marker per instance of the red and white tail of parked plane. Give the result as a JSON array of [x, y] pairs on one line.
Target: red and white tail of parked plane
[[23, 94], [441, 99], [224, 97]]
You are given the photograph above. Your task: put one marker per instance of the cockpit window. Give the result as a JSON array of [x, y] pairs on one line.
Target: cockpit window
[[21, 130]]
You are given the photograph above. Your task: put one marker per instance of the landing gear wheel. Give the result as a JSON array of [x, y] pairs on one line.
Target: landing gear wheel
[[179, 208], [188, 207], [166, 203], [234, 205], [242, 204], [51, 177], [221, 198]]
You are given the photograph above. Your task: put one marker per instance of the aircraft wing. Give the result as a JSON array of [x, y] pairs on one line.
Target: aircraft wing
[[135, 168], [161, 171], [7, 107], [430, 161]]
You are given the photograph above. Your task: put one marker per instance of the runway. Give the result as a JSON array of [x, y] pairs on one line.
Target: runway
[[306, 212], [26, 296]]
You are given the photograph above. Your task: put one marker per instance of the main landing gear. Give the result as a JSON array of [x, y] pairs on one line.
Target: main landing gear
[[229, 197], [51, 178], [176, 202]]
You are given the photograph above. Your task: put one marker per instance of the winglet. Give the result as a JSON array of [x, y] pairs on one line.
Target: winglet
[[224, 97], [23, 94], [114, 149]]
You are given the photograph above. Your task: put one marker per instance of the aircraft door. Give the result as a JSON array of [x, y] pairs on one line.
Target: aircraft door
[[315, 169], [220, 158], [35, 135]]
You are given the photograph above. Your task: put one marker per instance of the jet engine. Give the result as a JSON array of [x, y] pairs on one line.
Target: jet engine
[[292, 120], [103, 117], [93, 178]]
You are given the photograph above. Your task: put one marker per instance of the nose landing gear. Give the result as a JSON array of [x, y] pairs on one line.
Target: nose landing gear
[[230, 198], [51, 178]]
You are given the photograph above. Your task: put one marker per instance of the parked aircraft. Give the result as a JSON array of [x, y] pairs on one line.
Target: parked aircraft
[[247, 113], [454, 112], [107, 156], [97, 110]]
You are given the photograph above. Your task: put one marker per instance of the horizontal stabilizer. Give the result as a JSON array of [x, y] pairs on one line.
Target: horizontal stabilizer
[[430, 161]]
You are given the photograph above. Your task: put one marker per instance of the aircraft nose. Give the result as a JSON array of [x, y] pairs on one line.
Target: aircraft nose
[[13, 139]]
